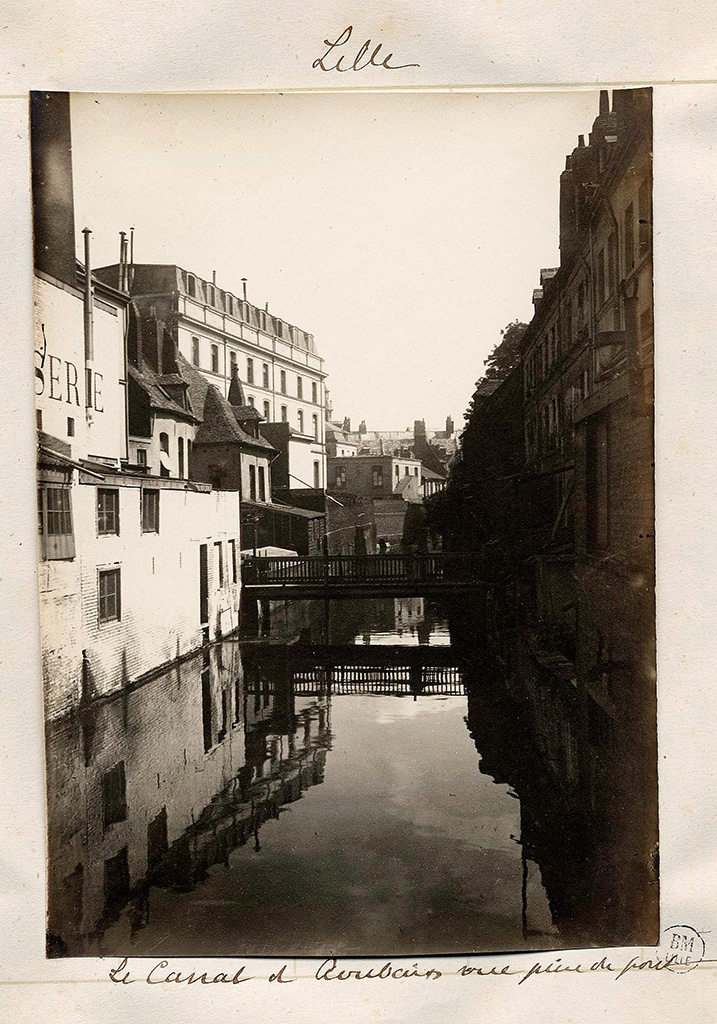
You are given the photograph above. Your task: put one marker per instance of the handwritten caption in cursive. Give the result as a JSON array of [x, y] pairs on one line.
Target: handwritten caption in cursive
[[360, 61], [332, 969]]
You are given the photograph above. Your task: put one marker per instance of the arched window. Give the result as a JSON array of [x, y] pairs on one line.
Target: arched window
[[180, 456], [317, 475], [267, 411], [315, 421], [164, 454], [284, 414], [300, 417]]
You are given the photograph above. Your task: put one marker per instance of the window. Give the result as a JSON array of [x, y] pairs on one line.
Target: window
[[233, 558], [377, 476], [601, 293], [406, 470], [55, 522], [232, 362], [282, 379], [180, 456], [250, 400], [219, 564], [142, 457], [315, 424], [415, 470], [150, 510], [397, 470], [279, 328], [265, 375], [189, 457], [267, 411], [250, 371], [191, 286], [300, 418], [629, 238], [215, 359], [164, 454], [299, 387], [107, 511], [314, 392], [341, 476], [284, 414], [109, 595], [70, 426], [210, 294], [195, 349], [228, 303], [114, 796], [597, 455], [252, 482], [317, 475], [262, 484]]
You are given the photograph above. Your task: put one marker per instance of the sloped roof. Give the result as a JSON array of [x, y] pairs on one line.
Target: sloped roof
[[428, 474], [159, 399], [217, 420]]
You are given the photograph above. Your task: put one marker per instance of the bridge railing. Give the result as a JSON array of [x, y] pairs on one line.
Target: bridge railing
[[334, 570]]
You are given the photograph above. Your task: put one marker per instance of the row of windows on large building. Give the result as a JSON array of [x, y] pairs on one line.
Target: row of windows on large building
[[228, 303], [573, 315], [377, 477], [250, 375]]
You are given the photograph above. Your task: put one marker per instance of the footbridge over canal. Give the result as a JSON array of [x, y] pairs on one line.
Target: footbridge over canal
[[330, 576]]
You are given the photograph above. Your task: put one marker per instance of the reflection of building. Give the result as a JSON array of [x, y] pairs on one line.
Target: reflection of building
[[554, 485], [157, 785]]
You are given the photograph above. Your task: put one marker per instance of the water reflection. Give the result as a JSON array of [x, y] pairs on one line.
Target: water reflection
[[275, 797]]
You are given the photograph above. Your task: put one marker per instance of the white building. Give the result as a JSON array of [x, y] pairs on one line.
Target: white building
[[281, 372], [137, 568]]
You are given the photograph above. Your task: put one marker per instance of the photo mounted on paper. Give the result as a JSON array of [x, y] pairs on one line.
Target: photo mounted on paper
[[331, 666]]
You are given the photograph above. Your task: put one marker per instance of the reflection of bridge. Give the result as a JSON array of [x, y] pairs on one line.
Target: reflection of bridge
[[391, 575], [390, 669]]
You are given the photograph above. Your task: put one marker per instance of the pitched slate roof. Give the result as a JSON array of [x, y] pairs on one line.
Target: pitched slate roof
[[160, 399], [218, 422]]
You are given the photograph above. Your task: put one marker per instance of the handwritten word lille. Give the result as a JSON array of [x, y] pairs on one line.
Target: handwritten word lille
[[356, 65]]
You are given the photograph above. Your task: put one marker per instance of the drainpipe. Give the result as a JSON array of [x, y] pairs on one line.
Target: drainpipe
[[89, 328]]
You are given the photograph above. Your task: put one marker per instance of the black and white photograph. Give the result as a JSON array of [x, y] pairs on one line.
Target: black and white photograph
[[346, 522]]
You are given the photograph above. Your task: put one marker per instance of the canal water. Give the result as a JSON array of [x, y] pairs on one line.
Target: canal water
[[337, 784]]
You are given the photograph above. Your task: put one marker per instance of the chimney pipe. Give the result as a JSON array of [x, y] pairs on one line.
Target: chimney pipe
[[120, 265], [266, 307], [214, 278], [130, 278], [243, 284], [89, 324]]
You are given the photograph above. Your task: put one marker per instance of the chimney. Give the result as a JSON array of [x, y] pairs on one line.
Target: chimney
[[52, 194], [214, 278], [243, 285], [362, 427], [604, 102], [89, 326]]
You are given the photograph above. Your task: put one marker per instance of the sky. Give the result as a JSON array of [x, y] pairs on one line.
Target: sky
[[403, 230]]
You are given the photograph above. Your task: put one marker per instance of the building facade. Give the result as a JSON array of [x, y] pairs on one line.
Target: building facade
[[116, 537], [221, 335]]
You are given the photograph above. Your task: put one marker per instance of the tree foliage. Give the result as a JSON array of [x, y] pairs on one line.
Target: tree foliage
[[506, 354]]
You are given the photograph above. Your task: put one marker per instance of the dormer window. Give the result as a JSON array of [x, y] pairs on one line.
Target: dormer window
[[192, 286], [278, 329]]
